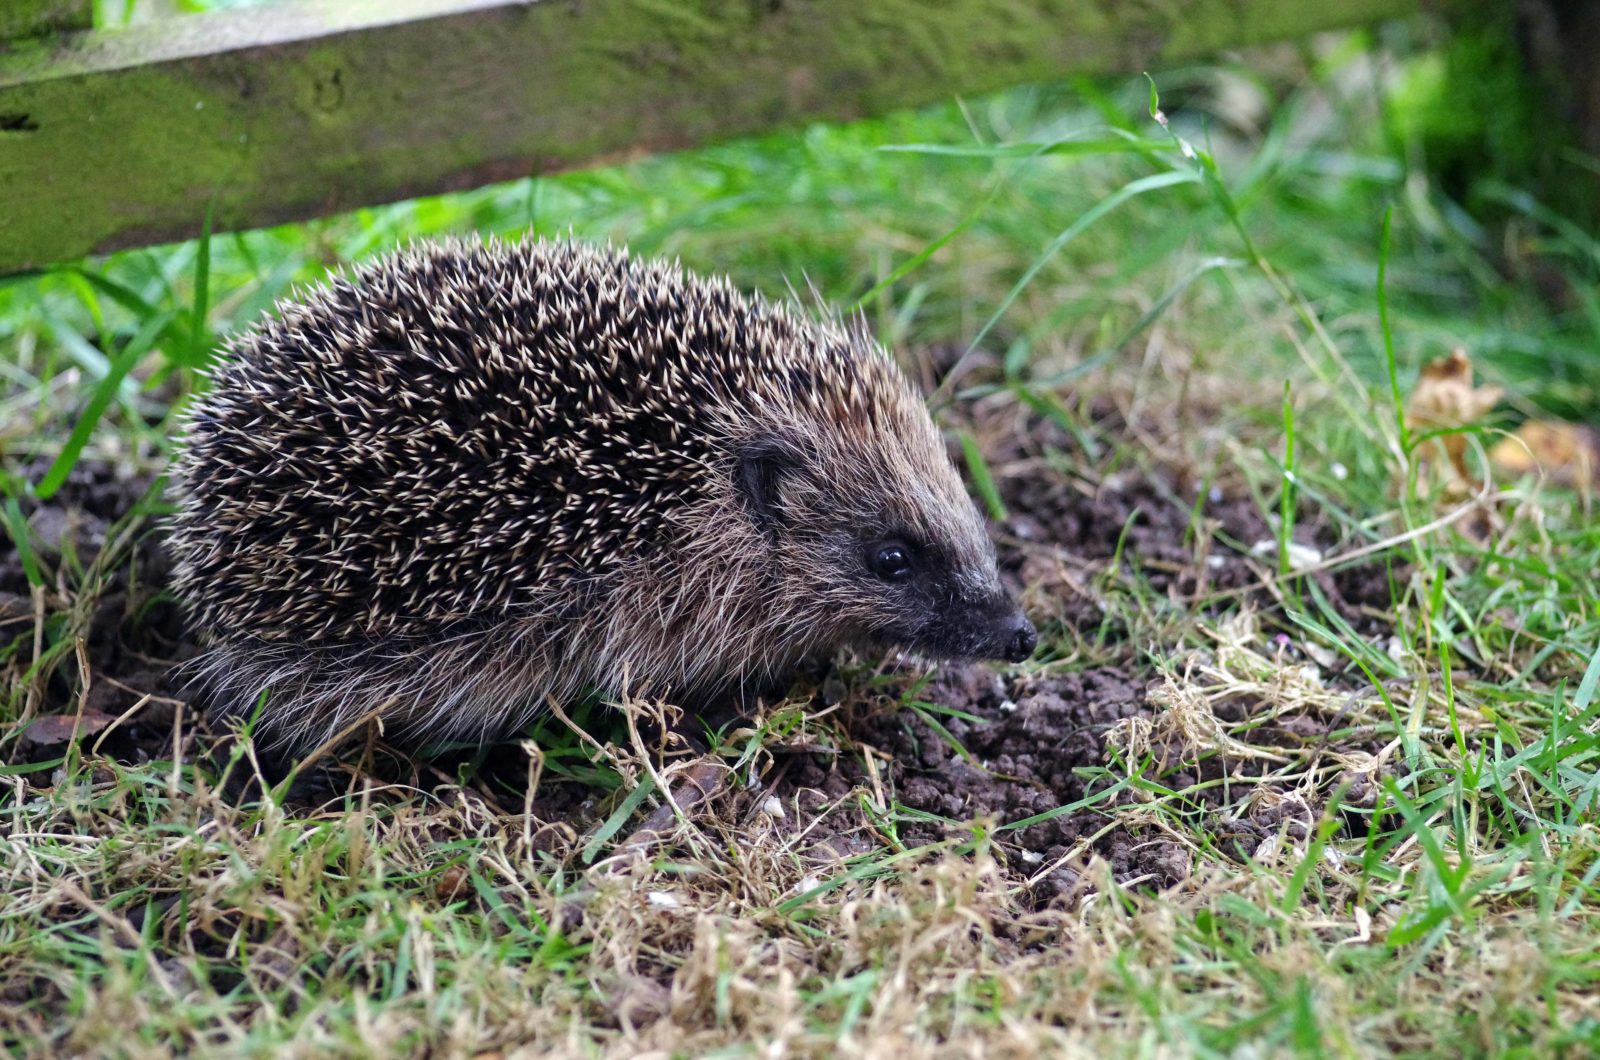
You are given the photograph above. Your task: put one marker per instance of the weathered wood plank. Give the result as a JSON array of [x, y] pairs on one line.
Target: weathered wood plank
[[117, 138], [31, 18]]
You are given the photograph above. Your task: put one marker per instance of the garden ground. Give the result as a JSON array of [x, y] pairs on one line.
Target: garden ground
[[1306, 763]]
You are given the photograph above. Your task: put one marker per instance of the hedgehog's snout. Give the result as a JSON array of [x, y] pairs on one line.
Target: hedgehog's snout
[[992, 627], [1020, 639], [1004, 633]]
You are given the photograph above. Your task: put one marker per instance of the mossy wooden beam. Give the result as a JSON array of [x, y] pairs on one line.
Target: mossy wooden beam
[[115, 138], [32, 18]]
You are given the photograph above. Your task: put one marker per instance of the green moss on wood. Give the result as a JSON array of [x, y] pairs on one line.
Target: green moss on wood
[[34, 18], [302, 109]]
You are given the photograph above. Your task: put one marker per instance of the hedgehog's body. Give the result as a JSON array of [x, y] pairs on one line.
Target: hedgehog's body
[[471, 478]]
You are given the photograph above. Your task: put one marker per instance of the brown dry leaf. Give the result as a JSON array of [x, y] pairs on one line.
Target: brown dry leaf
[[58, 728], [1568, 453], [1444, 398], [451, 883]]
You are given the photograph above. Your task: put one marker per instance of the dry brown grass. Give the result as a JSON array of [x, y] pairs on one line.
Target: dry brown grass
[[392, 921]]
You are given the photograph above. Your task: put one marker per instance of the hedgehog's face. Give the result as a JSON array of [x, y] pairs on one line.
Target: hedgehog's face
[[914, 593], [880, 535]]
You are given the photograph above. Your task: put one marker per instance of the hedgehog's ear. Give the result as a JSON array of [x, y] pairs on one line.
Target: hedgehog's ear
[[763, 464]]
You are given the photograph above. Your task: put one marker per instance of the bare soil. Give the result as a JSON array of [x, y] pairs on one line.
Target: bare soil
[[133, 631]]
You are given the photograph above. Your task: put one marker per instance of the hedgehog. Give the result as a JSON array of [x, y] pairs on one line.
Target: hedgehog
[[472, 478]]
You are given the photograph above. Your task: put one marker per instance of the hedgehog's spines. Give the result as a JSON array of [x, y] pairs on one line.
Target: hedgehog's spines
[[471, 476]]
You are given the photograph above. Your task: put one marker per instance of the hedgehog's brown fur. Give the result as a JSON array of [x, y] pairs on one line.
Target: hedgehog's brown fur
[[469, 478]]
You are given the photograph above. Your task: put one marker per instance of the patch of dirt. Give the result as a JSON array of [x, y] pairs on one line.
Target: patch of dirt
[[1040, 743], [131, 628], [1152, 518]]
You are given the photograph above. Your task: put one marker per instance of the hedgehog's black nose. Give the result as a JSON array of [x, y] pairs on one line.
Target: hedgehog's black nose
[[1022, 640]]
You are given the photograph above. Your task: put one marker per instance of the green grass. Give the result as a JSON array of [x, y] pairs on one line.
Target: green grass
[[1249, 288]]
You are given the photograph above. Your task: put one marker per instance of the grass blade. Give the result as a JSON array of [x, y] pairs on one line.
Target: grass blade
[[982, 480], [105, 392], [17, 528], [619, 817], [199, 333], [1105, 145]]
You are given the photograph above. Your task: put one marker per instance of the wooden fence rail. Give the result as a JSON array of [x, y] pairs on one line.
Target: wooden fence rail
[[28, 18], [116, 138]]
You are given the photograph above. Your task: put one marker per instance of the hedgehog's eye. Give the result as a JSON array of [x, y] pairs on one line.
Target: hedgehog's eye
[[891, 561]]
